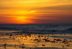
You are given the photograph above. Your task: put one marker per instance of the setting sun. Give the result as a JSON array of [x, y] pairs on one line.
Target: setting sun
[[21, 19]]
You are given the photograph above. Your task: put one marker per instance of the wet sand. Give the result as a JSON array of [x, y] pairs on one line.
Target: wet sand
[[36, 41], [47, 48]]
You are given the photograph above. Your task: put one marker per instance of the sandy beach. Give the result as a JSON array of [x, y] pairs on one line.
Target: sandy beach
[[36, 41]]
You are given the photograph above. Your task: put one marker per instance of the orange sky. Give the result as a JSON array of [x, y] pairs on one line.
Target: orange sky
[[35, 11]]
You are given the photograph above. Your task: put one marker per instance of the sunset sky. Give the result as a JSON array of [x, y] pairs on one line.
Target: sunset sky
[[35, 11]]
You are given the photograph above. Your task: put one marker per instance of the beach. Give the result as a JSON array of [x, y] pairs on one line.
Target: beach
[[35, 41]]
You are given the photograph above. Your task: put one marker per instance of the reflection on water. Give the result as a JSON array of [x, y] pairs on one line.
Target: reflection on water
[[35, 41], [65, 37]]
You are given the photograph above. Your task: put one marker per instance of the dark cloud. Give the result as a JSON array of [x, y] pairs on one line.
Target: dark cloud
[[65, 19]]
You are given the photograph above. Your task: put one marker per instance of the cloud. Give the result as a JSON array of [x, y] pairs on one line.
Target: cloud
[[5, 19], [55, 10], [55, 18], [60, 7]]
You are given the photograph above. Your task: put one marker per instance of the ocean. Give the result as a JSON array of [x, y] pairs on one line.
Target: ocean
[[39, 28]]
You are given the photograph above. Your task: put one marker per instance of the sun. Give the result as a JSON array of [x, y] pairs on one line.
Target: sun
[[21, 19], [24, 17]]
